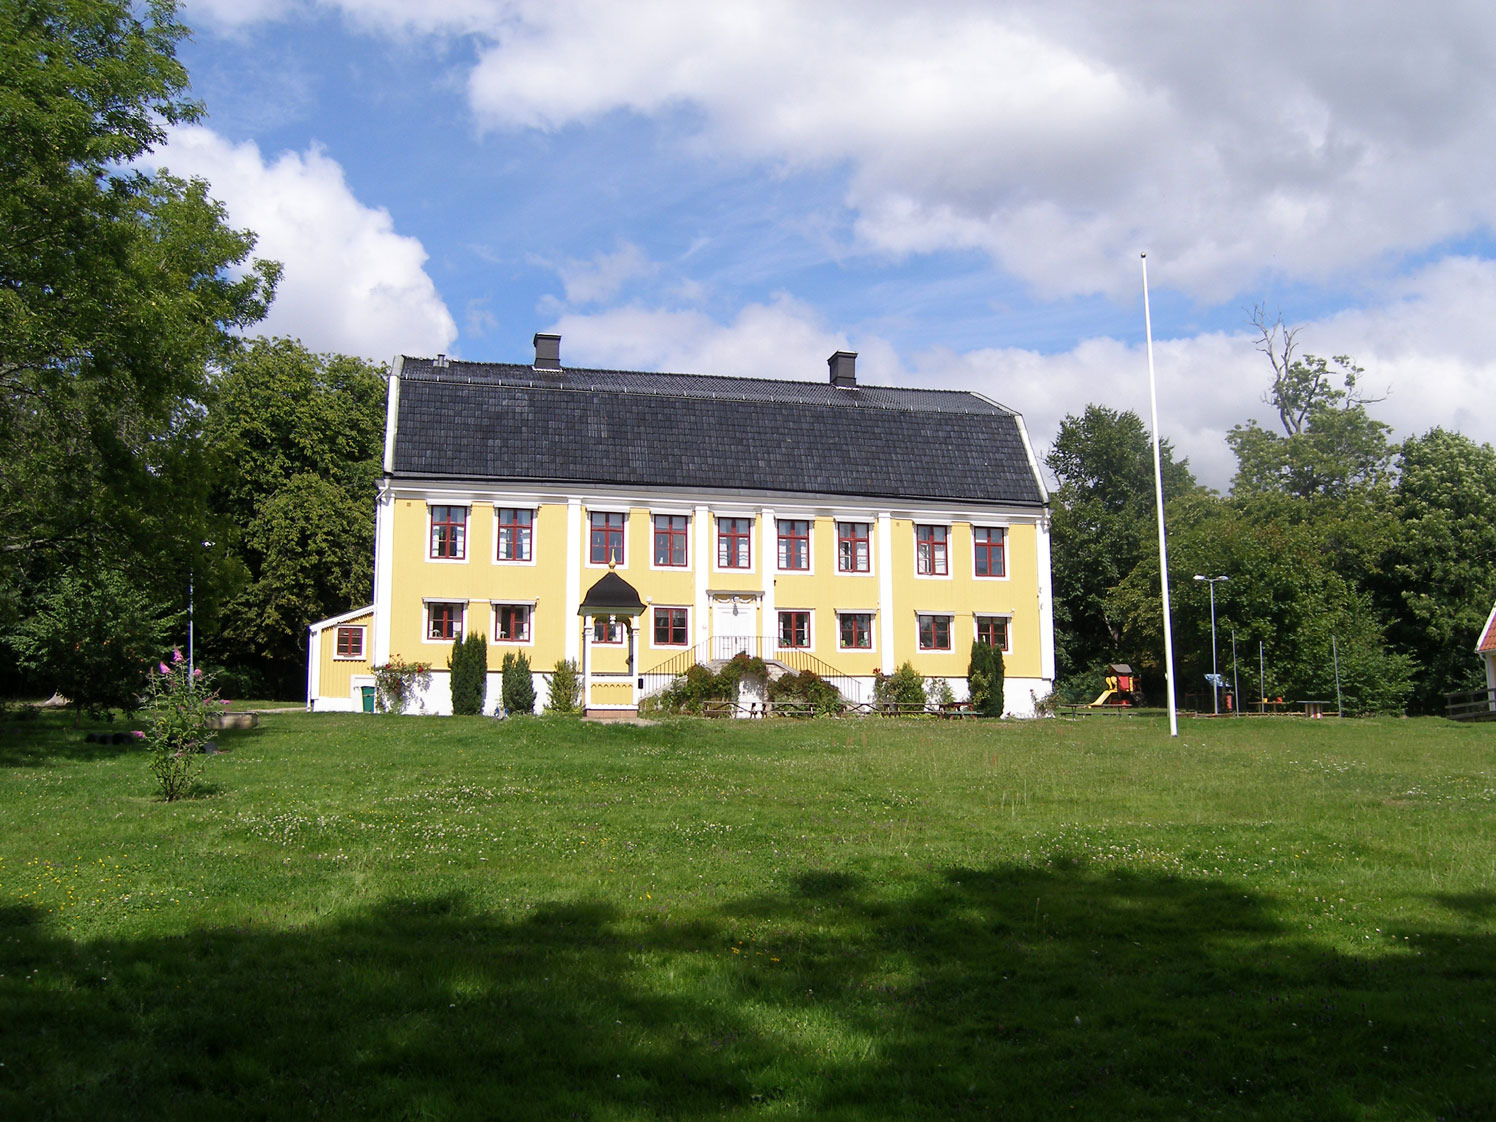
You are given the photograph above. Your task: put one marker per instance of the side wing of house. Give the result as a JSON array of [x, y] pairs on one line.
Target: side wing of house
[[339, 661]]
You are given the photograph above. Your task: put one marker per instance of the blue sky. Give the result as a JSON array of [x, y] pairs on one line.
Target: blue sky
[[959, 191]]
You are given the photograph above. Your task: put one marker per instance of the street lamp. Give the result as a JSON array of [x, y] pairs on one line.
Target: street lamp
[[191, 581], [1215, 678]]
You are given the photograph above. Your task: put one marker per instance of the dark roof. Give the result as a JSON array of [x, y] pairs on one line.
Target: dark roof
[[612, 595], [508, 422]]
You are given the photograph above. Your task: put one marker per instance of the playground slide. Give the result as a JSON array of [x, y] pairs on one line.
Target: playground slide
[[1102, 699]]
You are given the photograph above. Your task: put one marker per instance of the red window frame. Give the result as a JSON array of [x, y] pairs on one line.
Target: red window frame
[[516, 534], [670, 540], [449, 532], [994, 631], [606, 632], [443, 621], [670, 627], [856, 631], [934, 632], [794, 630], [989, 549], [607, 537], [850, 558], [511, 623], [349, 642], [932, 550], [734, 543], [794, 544]]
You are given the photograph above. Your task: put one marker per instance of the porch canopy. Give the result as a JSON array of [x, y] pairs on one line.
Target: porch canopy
[[611, 598]]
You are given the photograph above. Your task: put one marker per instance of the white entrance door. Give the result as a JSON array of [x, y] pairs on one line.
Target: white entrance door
[[734, 627]]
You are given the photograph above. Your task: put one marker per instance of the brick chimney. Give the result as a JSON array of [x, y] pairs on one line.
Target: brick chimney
[[547, 352], [843, 366]]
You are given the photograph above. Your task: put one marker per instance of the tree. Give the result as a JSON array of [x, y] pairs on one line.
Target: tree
[[92, 638], [296, 440], [1440, 573], [117, 289], [517, 684], [469, 666], [1102, 523], [1286, 591], [1330, 447], [984, 673]]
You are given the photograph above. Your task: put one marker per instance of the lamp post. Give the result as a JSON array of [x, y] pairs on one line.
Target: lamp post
[[191, 597], [1215, 690]]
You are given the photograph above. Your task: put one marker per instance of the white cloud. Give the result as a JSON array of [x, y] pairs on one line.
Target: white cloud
[[1416, 342], [1285, 139], [351, 283], [600, 279]]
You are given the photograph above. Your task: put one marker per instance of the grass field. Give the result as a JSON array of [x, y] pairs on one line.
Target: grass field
[[459, 918]]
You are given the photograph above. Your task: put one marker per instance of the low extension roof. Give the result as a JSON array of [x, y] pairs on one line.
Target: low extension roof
[[515, 423]]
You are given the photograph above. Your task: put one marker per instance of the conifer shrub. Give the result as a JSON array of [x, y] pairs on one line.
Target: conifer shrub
[[565, 687], [469, 666], [518, 686], [984, 675], [905, 687]]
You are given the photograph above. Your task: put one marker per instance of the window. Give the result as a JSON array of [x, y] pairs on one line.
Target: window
[[449, 532], [993, 630], [350, 643], [794, 543], [605, 630], [934, 633], [670, 539], [607, 538], [988, 546], [443, 621], [856, 631], [852, 554], [670, 627], [734, 543], [931, 553], [511, 623], [794, 629], [516, 534]]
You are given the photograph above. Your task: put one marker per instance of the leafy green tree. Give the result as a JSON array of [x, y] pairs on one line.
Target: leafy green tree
[[1286, 591], [1440, 578], [118, 288], [296, 440], [93, 638], [1103, 522], [1331, 447]]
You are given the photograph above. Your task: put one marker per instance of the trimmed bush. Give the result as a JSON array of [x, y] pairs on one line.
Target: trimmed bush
[[985, 679], [904, 687]]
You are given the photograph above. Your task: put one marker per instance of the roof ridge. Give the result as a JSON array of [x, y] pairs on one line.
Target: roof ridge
[[553, 379]]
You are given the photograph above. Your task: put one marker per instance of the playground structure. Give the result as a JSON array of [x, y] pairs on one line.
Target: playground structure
[[1118, 690]]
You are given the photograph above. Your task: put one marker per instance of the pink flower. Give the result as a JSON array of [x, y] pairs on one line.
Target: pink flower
[[137, 734], [225, 702], [176, 655], [164, 668], [198, 673]]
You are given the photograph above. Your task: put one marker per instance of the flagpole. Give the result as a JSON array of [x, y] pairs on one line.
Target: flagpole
[[1158, 494]]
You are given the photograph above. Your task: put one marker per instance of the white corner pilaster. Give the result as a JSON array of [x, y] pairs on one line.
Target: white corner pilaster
[[886, 622], [574, 548], [384, 566]]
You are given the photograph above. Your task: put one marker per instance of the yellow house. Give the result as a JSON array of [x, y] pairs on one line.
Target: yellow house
[[828, 525]]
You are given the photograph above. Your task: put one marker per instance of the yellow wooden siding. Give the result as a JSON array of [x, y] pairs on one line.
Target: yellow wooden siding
[[335, 675]]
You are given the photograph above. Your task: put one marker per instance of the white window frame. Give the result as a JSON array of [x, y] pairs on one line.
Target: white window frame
[[673, 608], [534, 509], [872, 629], [949, 616], [467, 533], [871, 522], [690, 533], [363, 644], [623, 563], [810, 628], [428, 602], [950, 559], [529, 640], [1007, 557], [810, 545], [1007, 616]]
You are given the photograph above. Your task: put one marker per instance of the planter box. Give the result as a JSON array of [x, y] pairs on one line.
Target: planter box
[[235, 721]]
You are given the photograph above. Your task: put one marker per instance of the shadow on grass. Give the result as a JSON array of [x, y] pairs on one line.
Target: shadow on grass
[[47, 740], [1006, 991]]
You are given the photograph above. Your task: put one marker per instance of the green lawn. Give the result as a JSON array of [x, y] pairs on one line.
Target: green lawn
[[459, 918]]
